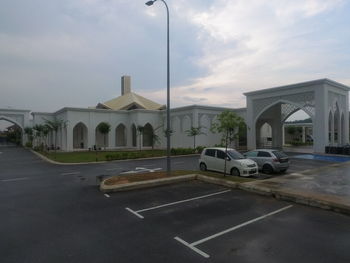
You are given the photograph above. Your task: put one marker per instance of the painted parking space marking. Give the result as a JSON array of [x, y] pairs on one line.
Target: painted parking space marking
[[15, 179], [70, 173], [134, 212], [107, 195], [142, 170], [137, 212], [193, 245]]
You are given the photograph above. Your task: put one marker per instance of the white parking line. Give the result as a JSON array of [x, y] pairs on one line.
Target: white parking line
[[192, 245], [107, 195], [71, 173], [134, 212], [173, 203], [15, 179]]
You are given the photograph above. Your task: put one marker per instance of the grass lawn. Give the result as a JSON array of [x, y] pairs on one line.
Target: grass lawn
[[93, 156], [123, 179]]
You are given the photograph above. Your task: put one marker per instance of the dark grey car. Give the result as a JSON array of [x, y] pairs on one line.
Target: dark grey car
[[269, 160]]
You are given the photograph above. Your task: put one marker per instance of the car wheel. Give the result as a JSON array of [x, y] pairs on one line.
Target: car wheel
[[235, 172], [202, 167], [267, 169]]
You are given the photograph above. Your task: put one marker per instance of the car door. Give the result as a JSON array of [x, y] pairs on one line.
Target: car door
[[263, 157], [210, 159], [220, 161]]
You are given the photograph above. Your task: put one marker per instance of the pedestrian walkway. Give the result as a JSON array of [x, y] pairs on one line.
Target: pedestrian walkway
[[327, 187]]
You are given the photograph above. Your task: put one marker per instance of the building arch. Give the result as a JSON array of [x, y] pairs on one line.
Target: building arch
[[186, 123], [147, 135], [120, 135], [101, 140], [80, 136], [133, 135]]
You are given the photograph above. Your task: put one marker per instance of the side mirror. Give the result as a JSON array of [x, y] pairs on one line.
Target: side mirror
[[228, 159]]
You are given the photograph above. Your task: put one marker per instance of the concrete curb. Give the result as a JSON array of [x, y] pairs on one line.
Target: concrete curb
[[328, 202], [145, 184], [114, 161]]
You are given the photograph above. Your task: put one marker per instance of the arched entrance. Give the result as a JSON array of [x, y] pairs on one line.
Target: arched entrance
[[80, 136], [147, 135], [323, 100], [134, 135], [11, 132], [120, 133]]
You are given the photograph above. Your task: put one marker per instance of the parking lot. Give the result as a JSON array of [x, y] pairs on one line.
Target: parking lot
[[56, 214], [198, 222]]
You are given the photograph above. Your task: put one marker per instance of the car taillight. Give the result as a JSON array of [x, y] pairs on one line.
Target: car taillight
[[275, 160]]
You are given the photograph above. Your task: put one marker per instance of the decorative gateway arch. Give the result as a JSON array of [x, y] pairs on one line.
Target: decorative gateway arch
[[19, 118], [324, 100]]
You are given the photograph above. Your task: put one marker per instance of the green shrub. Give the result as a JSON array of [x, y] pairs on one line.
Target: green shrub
[[182, 151], [199, 149], [29, 144]]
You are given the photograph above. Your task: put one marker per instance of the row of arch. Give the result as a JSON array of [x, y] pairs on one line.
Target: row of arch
[[121, 133], [336, 127]]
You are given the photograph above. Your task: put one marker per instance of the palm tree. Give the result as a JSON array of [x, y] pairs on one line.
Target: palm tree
[[104, 128], [38, 128], [54, 126], [140, 130], [29, 132], [193, 132]]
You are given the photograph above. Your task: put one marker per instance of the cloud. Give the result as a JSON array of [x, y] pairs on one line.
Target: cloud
[[249, 45]]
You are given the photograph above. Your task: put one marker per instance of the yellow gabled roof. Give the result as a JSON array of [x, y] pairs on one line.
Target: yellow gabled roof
[[133, 100]]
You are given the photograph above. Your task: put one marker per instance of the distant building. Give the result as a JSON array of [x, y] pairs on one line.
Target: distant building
[[325, 101]]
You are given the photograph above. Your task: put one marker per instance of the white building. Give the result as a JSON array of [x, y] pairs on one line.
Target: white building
[[325, 101]]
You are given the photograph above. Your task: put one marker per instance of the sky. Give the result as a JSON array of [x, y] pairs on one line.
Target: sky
[[73, 53]]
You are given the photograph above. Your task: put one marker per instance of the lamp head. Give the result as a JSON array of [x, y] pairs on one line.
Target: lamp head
[[149, 3]]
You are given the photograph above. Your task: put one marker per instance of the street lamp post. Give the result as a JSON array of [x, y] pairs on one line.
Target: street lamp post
[[168, 169]]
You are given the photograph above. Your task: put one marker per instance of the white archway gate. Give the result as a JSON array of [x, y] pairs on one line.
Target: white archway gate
[[17, 117], [325, 101]]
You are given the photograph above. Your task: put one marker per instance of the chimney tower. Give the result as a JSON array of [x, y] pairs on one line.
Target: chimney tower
[[126, 85]]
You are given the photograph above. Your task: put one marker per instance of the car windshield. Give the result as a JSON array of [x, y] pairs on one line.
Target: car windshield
[[279, 154], [235, 155]]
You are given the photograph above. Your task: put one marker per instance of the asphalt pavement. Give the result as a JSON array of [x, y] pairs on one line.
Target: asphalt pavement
[[54, 213]]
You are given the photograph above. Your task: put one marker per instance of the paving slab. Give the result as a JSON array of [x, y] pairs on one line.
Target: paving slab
[[325, 187]]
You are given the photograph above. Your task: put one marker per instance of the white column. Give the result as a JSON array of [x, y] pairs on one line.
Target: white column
[[251, 132], [303, 134]]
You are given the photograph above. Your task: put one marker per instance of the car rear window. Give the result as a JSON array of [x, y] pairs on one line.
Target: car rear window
[[279, 154], [264, 154], [210, 152]]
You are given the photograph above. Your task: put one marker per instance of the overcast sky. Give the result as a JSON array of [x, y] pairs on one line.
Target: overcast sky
[[61, 53]]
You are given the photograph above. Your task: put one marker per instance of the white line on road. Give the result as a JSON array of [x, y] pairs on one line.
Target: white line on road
[[71, 173], [200, 252], [134, 212], [192, 245], [174, 203], [15, 179], [107, 195]]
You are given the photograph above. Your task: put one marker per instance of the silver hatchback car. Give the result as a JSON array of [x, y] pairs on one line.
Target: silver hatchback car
[[269, 160]]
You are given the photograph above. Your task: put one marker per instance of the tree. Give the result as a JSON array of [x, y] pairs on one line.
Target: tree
[[154, 137], [140, 129], [193, 132], [54, 126], [291, 130], [38, 133], [29, 132], [227, 124], [104, 128]]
